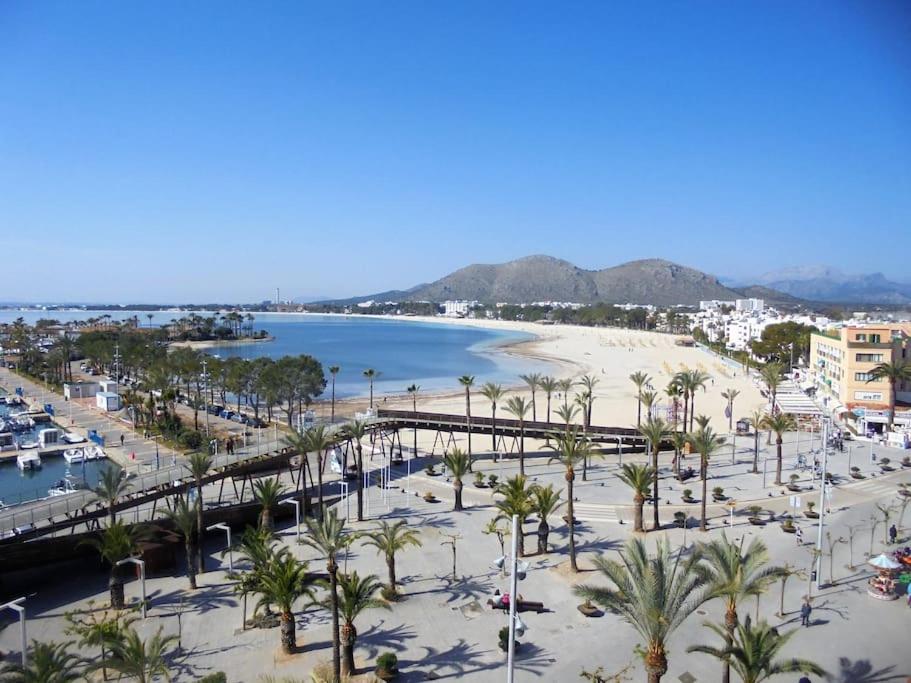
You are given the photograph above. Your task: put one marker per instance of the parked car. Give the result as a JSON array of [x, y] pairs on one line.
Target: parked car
[[226, 414], [215, 409]]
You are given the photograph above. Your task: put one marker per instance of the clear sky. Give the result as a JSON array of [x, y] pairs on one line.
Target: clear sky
[[200, 151]]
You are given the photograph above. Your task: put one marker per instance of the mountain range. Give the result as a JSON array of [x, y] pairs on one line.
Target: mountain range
[[544, 278], [823, 283]]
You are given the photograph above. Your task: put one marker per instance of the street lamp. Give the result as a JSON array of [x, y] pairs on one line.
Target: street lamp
[[142, 577], [517, 573], [17, 606], [822, 499], [297, 515], [224, 527]]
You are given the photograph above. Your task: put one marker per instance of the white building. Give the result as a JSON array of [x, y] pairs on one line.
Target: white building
[[749, 305], [714, 305], [457, 309]]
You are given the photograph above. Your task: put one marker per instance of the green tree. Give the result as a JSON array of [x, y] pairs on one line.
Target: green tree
[[779, 423], [640, 380], [316, 440], [113, 483], [655, 431], [493, 393], [548, 386], [333, 372], [516, 501], [753, 652], [458, 464], [533, 380], [545, 502], [783, 342], [184, 519], [116, 543], [371, 376], [894, 374], [47, 663], [517, 406], [199, 465], [355, 431], [757, 418], [570, 450], [639, 479], [413, 390], [704, 442], [267, 493], [282, 582], [137, 659], [729, 395], [466, 381], [653, 594], [97, 628], [356, 595], [390, 538]]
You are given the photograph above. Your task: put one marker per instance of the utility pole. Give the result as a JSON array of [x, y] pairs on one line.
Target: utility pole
[[205, 394], [822, 501]]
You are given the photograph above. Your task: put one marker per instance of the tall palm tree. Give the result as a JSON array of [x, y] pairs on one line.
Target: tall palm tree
[[698, 378], [467, 381], [267, 493], [199, 465], [333, 371], [653, 594], [566, 385], [704, 442], [184, 519], [317, 440], [736, 575], [517, 406], [589, 382], [548, 386], [779, 423], [567, 413], [389, 539], [771, 375], [112, 484], [571, 449], [757, 417], [640, 380], [894, 373], [545, 502], [355, 431], [753, 651], [533, 380], [116, 543], [655, 431], [356, 595], [639, 479], [371, 375], [282, 582], [457, 463], [647, 398], [729, 395], [678, 439], [47, 663], [493, 393], [673, 393], [143, 661], [328, 536], [413, 392], [683, 380], [517, 502]]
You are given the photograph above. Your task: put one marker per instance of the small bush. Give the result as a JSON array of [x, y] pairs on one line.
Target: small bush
[[884, 461], [217, 677], [794, 477], [855, 469], [387, 661], [687, 493], [810, 505], [478, 478], [191, 439], [754, 510], [718, 491], [492, 480]]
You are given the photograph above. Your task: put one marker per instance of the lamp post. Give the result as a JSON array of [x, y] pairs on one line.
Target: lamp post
[[297, 515], [205, 393], [513, 599], [17, 606], [224, 527], [142, 577], [822, 500]]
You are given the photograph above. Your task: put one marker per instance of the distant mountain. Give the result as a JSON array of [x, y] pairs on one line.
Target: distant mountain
[[823, 283], [544, 278]]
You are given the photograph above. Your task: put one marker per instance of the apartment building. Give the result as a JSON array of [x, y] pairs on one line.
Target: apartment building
[[841, 361]]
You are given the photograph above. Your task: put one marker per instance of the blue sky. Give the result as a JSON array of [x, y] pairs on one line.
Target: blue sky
[[172, 151]]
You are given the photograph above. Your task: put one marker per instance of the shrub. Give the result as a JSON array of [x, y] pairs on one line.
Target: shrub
[[855, 469], [754, 510], [217, 677], [492, 480], [810, 505], [884, 461], [794, 477], [429, 470], [478, 478], [687, 493], [191, 439], [387, 661], [718, 491]]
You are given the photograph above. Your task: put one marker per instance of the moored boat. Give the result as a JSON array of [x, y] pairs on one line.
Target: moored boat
[[74, 455], [28, 461]]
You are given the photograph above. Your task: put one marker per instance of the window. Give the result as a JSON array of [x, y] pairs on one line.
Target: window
[[869, 357], [861, 337], [874, 339], [864, 377]]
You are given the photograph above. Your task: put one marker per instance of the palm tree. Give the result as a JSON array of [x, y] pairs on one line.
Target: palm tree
[[705, 442], [533, 380], [328, 536], [752, 652], [333, 371], [895, 374], [355, 596], [316, 440], [355, 431], [199, 464], [371, 375], [589, 382], [137, 659], [516, 502], [566, 385], [757, 417], [282, 582], [517, 406], [413, 392], [47, 663], [638, 478], [545, 502], [116, 543], [567, 413], [389, 539], [736, 575], [647, 399], [640, 379], [493, 393], [678, 439], [467, 381], [779, 423], [184, 519], [654, 595], [457, 462], [655, 431], [113, 482], [730, 395], [548, 386], [570, 450], [673, 392], [267, 492], [771, 376], [697, 381]]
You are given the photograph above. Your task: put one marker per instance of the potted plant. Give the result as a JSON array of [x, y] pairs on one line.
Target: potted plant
[[479, 480], [718, 494], [788, 526], [855, 473], [429, 497], [885, 466], [754, 517], [387, 666], [688, 496], [810, 514], [431, 472], [793, 485], [503, 639], [589, 609], [680, 519], [906, 461], [492, 480], [903, 490]]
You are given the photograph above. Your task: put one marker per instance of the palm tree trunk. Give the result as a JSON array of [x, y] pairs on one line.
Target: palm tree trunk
[[705, 487], [390, 565], [332, 414], [639, 409], [191, 571], [686, 407], [319, 482], [493, 428], [288, 635], [656, 523], [360, 482], [468, 424], [730, 623], [571, 522], [521, 448], [333, 587], [778, 462], [543, 533], [692, 408], [199, 524], [756, 450], [349, 634], [639, 501], [115, 587], [656, 664], [458, 495]]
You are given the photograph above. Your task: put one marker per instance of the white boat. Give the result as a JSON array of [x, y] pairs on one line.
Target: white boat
[[63, 487], [28, 461], [94, 453], [74, 455], [27, 445], [73, 437]]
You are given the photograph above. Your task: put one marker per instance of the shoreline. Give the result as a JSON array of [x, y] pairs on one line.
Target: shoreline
[[217, 343]]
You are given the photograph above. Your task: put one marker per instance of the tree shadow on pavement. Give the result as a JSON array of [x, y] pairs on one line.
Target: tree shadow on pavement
[[862, 671], [371, 641]]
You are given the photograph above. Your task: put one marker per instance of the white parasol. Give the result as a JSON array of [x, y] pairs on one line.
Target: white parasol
[[884, 562]]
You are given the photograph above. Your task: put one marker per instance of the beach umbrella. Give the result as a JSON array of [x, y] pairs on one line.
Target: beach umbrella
[[884, 562]]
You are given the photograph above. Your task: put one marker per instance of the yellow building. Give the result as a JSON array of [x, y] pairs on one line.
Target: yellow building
[[841, 361]]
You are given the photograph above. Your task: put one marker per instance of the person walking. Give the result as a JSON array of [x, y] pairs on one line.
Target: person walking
[[799, 535], [893, 534], [805, 611]]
